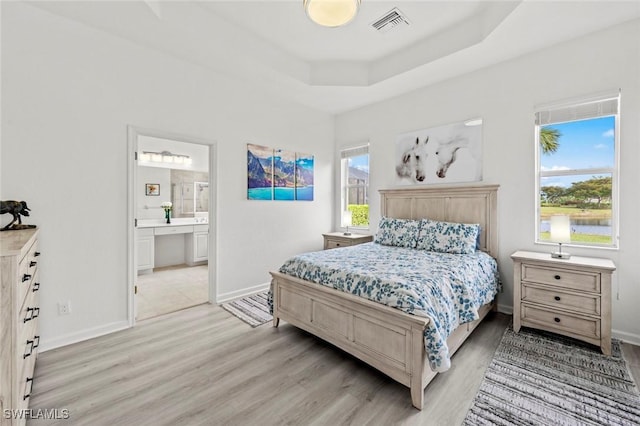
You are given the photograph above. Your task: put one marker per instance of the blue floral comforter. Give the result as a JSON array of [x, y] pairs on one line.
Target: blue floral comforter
[[446, 288]]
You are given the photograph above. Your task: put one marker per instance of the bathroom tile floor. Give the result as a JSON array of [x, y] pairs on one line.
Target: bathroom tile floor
[[171, 289]]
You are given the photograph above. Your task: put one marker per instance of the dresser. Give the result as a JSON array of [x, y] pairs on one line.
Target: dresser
[[571, 297], [338, 239], [19, 311]]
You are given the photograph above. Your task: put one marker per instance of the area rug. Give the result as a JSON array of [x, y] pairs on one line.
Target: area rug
[[251, 309], [538, 378]]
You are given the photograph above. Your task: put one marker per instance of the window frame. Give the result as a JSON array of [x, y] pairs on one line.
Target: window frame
[[356, 150], [614, 171]]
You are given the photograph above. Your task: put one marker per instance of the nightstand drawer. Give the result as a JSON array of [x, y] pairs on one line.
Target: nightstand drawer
[[331, 244], [584, 326], [583, 303], [338, 239], [584, 281]]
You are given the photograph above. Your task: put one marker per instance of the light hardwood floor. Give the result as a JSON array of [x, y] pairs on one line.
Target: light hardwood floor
[[171, 289], [202, 366]]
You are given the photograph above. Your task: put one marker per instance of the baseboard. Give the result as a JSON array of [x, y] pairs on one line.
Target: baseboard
[[80, 336], [232, 295], [505, 309], [634, 339]]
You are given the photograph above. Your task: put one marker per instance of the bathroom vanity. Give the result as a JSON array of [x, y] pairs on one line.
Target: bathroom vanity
[[194, 232]]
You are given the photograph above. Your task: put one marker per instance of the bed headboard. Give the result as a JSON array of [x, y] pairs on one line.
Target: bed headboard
[[463, 204]]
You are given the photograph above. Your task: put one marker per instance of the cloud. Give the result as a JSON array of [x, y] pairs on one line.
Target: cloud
[[609, 133], [547, 181], [554, 168], [601, 146]]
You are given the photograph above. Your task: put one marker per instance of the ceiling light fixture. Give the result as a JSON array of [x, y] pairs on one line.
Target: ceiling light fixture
[[473, 122], [331, 13], [165, 157]]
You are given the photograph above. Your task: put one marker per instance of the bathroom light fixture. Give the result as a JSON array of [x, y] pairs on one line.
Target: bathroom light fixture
[[560, 233], [331, 13], [165, 157]]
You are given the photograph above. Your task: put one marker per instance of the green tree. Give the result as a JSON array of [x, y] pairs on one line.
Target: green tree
[[595, 188], [549, 139], [552, 194]]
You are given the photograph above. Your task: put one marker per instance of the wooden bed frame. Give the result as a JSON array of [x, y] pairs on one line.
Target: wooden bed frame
[[387, 338]]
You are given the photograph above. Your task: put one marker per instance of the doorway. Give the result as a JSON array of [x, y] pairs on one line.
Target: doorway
[[172, 232]]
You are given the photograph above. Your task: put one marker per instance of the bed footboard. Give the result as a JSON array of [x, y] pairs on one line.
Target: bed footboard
[[385, 338]]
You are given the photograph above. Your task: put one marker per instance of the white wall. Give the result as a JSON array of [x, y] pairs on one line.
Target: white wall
[[505, 96], [69, 93]]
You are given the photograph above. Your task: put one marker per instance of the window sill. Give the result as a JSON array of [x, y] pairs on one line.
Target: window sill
[[580, 246], [356, 229]]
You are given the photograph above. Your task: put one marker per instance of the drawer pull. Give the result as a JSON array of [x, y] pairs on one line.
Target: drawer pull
[[36, 287], [36, 313], [338, 244], [557, 277], [32, 263], [30, 344], [556, 319], [28, 395], [36, 254], [557, 298], [36, 341], [29, 316], [26, 277]]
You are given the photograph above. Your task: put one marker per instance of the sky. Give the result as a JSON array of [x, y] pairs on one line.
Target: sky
[[360, 162], [582, 144]]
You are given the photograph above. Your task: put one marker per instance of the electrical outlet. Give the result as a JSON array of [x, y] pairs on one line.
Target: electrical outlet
[[64, 308]]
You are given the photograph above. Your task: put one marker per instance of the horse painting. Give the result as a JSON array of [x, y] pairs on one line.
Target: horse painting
[[443, 154], [413, 160], [446, 154]]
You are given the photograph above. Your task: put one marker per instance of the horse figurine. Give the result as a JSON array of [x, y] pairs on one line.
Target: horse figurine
[[16, 208]]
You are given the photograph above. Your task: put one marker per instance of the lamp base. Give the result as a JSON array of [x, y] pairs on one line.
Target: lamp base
[[560, 255]]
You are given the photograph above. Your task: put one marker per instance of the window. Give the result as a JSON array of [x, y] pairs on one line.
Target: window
[[354, 178], [577, 170]]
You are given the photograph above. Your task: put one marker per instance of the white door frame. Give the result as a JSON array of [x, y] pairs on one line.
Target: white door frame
[[132, 177]]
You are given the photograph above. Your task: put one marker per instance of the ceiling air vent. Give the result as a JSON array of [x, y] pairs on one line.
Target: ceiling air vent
[[390, 20]]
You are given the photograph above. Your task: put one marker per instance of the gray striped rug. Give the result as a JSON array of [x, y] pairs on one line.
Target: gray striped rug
[[251, 309], [538, 378]]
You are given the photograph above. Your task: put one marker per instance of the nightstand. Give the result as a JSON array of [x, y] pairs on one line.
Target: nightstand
[[338, 239], [571, 297]]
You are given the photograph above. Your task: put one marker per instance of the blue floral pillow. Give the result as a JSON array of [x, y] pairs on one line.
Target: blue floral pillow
[[398, 232], [447, 237]]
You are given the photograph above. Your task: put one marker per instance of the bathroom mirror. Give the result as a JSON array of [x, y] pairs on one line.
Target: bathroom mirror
[[201, 197]]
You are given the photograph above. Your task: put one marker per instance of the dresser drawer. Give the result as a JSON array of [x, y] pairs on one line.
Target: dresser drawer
[[584, 281], [25, 278], [27, 346], [573, 324], [29, 312], [25, 383], [583, 303]]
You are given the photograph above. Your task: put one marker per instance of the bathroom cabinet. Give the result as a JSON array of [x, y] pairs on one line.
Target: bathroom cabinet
[[145, 242], [196, 242], [197, 245]]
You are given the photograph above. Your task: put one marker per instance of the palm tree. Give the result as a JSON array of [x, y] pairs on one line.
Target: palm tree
[[549, 140]]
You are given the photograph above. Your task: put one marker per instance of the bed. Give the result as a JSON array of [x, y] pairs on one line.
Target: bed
[[389, 339]]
